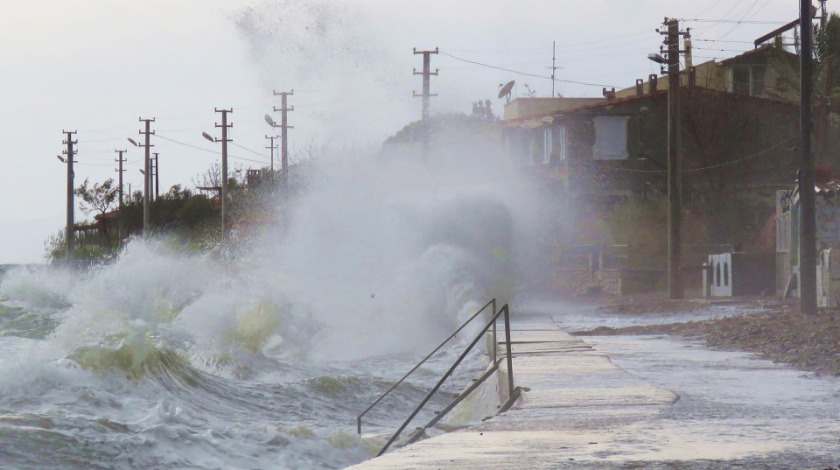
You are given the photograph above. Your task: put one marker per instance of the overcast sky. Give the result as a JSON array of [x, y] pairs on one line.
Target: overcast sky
[[96, 66]]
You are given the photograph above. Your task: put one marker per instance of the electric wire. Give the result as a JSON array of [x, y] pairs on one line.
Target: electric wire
[[249, 150], [693, 170], [524, 73], [208, 150]]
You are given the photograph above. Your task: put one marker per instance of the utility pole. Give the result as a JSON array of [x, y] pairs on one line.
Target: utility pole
[[224, 140], [120, 170], [156, 174], [427, 74], [147, 212], [70, 235], [807, 196], [284, 134], [427, 95], [675, 290], [272, 147], [823, 15]]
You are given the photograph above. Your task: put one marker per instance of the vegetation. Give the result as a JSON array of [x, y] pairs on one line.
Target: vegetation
[[98, 198], [188, 218], [643, 225]]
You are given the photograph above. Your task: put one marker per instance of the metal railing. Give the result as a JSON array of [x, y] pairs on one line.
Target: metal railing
[[513, 393]]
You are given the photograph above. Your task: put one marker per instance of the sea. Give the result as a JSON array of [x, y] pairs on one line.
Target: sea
[[260, 353]]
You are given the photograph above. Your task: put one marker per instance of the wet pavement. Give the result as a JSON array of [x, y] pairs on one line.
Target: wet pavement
[[640, 402]]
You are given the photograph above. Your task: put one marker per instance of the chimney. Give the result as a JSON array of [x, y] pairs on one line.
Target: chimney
[[609, 94], [652, 83], [640, 87]]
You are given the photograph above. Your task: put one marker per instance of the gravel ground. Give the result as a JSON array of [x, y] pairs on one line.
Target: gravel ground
[[773, 329]]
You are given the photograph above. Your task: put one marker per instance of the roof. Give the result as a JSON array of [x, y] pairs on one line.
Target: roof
[[108, 215], [547, 118], [765, 48], [522, 107], [582, 107]]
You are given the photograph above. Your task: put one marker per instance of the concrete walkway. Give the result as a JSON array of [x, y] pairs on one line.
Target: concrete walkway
[[579, 407]]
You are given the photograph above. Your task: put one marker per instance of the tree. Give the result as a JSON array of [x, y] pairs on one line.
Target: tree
[[98, 198], [212, 177]]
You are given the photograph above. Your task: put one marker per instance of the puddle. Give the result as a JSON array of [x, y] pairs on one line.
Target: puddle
[[736, 410]]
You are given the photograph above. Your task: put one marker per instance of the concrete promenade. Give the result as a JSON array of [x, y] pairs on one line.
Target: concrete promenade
[[579, 407]]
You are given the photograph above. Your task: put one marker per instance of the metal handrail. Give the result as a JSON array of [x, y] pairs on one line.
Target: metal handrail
[[492, 303], [511, 391]]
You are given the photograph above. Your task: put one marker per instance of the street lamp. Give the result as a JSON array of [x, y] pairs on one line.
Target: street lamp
[[657, 58]]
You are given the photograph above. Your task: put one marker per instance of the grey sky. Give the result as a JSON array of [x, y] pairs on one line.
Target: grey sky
[[97, 65]]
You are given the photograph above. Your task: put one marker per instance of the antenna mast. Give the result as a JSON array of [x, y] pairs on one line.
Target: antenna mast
[[553, 64]]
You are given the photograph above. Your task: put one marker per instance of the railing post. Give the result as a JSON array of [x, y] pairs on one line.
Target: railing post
[[495, 341], [509, 356], [492, 303]]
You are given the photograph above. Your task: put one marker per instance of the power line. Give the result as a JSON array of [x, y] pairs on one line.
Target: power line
[[207, 150], [709, 8], [724, 21], [560, 45], [722, 40], [523, 73], [748, 157], [249, 150], [721, 50], [743, 16], [691, 170]]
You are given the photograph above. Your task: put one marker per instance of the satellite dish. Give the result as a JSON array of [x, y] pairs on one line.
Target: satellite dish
[[505, 91], [270, 121], [208, 137]]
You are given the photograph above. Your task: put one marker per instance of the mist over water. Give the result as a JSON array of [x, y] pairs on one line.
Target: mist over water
[[261, 354], [264, 352]]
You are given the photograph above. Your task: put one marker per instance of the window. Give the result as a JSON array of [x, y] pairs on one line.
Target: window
[[548, 147], [726, 274], [717, 274], [741, 80], [610, 138], [748, 79], [537, 147], [559, 138], [554, 144]]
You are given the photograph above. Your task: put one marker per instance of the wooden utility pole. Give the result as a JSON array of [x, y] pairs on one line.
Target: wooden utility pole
[[427, 74], [426, 95], [823, 15], [70, 229], [120, 170], [807, 196], [272, 147], [284, 133], [675, 290], [156, 175], [224, 140], [147, 211]]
